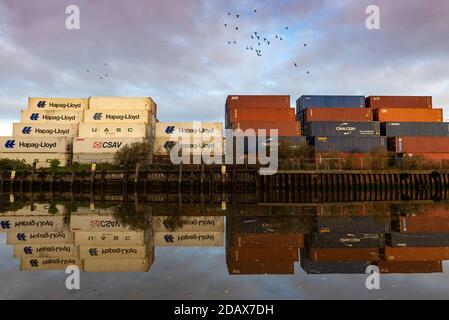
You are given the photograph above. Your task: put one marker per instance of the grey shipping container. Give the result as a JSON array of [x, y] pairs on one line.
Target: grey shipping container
[[348, 144], [347, 240], [343, 267], [417, 240], [329, 102], [369, 224], [265, 144], [415, 129], [353, 129], [269, 225]]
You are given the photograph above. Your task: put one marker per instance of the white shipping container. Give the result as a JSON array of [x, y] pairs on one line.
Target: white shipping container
[[46, 251], [96, 223], [45, 130], [102, 145], [89, 158], [52, 117], [49, 264], [122, 103], [189, 224], [203, 130], [32, 224], [189, 239], [114, 252], [34, 145], [37, 209], [117, 116], [122, 265], [114, 238], [106, 130], [213, 146], [43, 160], [13, 238], [78, 104]]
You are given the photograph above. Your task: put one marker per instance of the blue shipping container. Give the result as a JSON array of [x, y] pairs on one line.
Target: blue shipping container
[[329, 102]]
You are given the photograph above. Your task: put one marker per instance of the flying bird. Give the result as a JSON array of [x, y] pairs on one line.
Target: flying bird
[[296, 65], [305, 45], [237, 28], [308, 72], [255, 10], [226, 25], [237, 16], [286, 28], [87, 70], [252, 37], [268, 42]]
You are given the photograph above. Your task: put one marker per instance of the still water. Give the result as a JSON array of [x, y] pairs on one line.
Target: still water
[[241, 246]]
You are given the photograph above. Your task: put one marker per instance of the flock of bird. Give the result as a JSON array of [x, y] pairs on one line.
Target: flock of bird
[[103, 75], [257, 39]]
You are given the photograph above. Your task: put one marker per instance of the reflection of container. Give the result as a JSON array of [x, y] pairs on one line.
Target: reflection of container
[[405, 239], [274, 268], [410, 267], [188, 224], [263, 255], [33, 224], [122, 265], [348, 144], [266, 240], [415, 129], [369, 224], [417, 254], [32, 264], [188, 239], [43, 160], [95, 223], [46, 251], [45, 130], [410, 102], [344, 240], [57, 103], [102, 145], [112, 238], [34, 145], [347, 254], [408, 115], [105, 130], [14, 238], [334, 267], [114, 252], [424, 223], [51, 117]]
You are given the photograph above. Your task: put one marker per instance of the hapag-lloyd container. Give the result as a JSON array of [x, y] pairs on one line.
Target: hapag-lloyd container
[[89, 158], [110, 130], [408, 102], [245, 114], [353, 129], [408, 115], [415, 129], [122, 103], [58, 104], [284, 129], [348, 144], [117, 116], [189, 224], [189, 239], [213, 146], [49, 264], [34, 145], [419, 144], [205, 130], [337, 114], [122, 265], [102, 145], [52, 117], [114, 252], [329, 102], [45, 130], [270, 102], [43, 160]]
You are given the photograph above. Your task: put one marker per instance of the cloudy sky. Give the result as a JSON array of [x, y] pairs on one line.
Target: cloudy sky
[[177, 51]]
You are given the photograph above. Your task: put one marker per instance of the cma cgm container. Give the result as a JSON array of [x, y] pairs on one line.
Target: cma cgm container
[[52, 117], [102, 145], [306, 102], [269, 102], [239, 114], [419, 144], [337, 114], [45, 130], [58, 104], [110, 130], [43, 160], [116, 116], [285, 129], [348, 144], [356, 240], [189, 129], [353, 129], [408, 115], [34, 145], [122, 103], [415, 129], [407, 102]]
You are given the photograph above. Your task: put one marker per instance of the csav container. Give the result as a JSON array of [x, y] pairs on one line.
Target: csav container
[[52, 117], [408, 115], [419, 144], [102, 145], [109, 130], [34, 145], [240, 114], [337, 114], [353, 129], [122, 103], [348, 144], [407, 102], [42, 160], [45, 130], [192, 129], [117, 116], [58, 104], [270, 102], [285, 129], [415, 129], [306, 102]]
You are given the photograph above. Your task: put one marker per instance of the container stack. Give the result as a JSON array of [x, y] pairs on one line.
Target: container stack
[[340, 126], [412, 126], [46, 131], [111, 123]]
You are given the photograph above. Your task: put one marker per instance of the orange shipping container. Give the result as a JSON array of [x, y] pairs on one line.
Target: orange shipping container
[[239, 114], [258, 101], [419, 145], [408, 102], [408, 115], [264, 255], [410, 267], [416, 254], [256, 240], [338, 114], [285, 129], [423, 224], [282, 268], [348, 255]]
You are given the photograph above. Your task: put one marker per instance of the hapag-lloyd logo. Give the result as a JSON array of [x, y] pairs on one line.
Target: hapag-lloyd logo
[[51, 132], [121, 117], [58, 118], [35, 145]]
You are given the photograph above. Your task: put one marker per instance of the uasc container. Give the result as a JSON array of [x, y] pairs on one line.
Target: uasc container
[[353, 129], [34, 145], [52, 117], [117, 116], [42, 160], [102, 145], [415, 129], [348, 144], [123, 103], [408, 102], [408, 115], [45, 130], [337, 114], [110, 130], [330, 102], [42, 104]]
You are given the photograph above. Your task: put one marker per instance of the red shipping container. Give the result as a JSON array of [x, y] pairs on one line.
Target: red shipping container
[[264, 255], [407, 102], [419, 145], [263, 240], [416, 254], [435, 158], [410, 267], [338, 114], [285, 129], [282, 268], [423, 224], [408, 115], [239, 114], [258, 101], [344, 254]]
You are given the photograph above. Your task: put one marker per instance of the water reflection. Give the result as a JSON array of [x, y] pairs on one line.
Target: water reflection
[[113, 233]]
